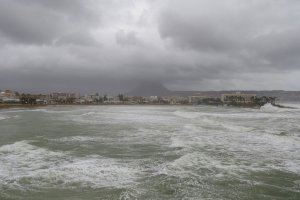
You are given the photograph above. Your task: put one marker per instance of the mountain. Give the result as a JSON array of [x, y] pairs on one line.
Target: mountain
[[157, 89], [150, 89], [282, 95]]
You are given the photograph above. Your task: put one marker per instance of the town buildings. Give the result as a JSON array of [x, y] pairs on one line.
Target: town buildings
[[9, 96], [196, 99], [58, 98], [251, 100], [238, 98]]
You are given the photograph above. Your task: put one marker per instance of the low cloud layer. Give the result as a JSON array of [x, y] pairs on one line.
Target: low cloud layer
[[110, 45]]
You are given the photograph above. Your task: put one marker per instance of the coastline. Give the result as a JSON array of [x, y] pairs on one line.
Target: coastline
[[9, 106], [12, 106]]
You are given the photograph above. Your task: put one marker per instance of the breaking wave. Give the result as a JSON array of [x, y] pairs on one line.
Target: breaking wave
[[141, 147], [3, 117], [88, 113], [269, 108], [189, 115], [25, 166]]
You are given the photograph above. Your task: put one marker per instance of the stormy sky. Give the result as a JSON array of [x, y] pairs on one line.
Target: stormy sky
[[110, 45]]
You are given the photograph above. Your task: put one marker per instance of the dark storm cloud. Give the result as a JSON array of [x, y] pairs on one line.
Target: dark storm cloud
[[256, 34], [114, 45], [77, 38], [199, 34], [32, 21], [20, 24]]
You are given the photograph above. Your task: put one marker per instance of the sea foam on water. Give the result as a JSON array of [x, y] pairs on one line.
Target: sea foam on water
[[45, 168], [269, 108], [138, 150]]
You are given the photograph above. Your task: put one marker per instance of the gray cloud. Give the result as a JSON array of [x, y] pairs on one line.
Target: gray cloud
[[112, 45], [32, 21], [127, 38]]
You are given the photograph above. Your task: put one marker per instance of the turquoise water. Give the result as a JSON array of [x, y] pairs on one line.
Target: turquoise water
[[149, 152]]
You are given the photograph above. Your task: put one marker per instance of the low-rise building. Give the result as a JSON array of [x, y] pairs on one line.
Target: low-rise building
[[61, 97], [41, 101], [173, 100], [135, 99], [9, 96], [238, 98], [153, 99], [196, 99]]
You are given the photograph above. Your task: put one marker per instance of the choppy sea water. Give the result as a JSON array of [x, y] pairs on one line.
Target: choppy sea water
[[150, 152]]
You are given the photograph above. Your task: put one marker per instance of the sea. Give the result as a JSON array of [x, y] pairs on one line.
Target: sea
[[150, 152]]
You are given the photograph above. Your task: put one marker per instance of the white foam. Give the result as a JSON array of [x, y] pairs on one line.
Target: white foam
[[202, 165], [140, 136], [189, 115], [247, 151], [45, 168], [221, 143], [53, 111], [295, 105], [235, 128], [17, 110], [269, 108], [188, 136], [77, 139], [223, 124], [178, 142], [115, 117], [88, 113], [94, 172], [2, 117], [189, 164]]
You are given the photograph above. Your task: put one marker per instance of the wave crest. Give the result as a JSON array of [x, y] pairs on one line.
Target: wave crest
[[27, 166]]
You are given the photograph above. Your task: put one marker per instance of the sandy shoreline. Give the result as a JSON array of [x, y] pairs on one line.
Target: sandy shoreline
[[8, 106], [11, 106]]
